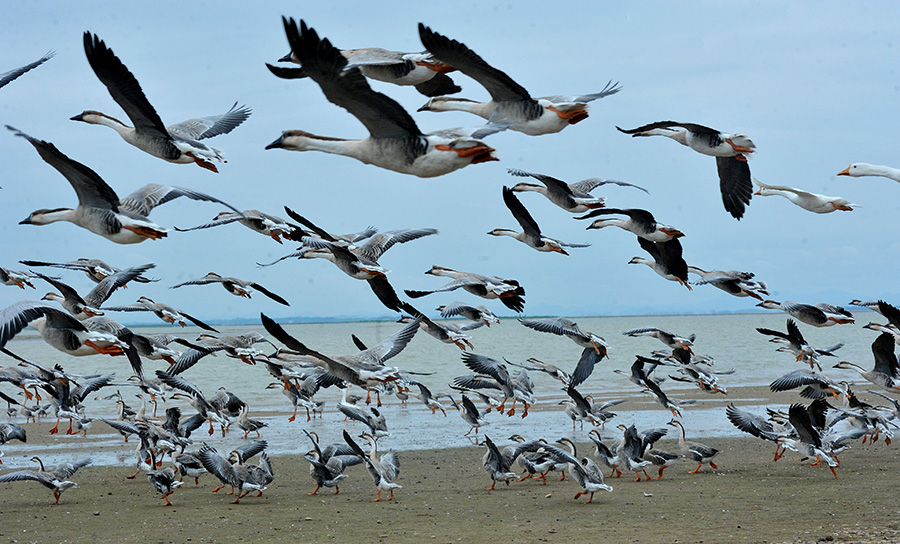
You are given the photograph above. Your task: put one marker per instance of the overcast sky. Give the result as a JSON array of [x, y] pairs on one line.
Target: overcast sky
[[815, 87]]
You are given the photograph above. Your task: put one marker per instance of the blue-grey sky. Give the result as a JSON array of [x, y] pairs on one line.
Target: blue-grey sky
[[816, 88]]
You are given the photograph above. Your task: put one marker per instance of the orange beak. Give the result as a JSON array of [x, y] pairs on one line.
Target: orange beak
[[844, 172]]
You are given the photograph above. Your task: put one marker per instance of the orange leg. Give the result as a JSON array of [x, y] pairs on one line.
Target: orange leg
[[696, 470], [379, 496], [661, 469]]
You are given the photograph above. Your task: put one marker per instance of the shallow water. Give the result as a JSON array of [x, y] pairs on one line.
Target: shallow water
[[730, 339]]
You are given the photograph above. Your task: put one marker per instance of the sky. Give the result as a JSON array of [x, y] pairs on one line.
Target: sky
[[815, 89]]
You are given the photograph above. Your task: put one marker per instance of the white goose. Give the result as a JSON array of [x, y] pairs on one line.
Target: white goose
[[176, 143], [808, 201], [859, 169], [510, 102], [395, 141], [531, 232], [100, 210]]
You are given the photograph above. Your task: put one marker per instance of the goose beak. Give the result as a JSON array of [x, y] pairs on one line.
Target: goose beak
[[26, 221], [286, 58], [79, 117], [424, 108], [844, 172], [276, 144]]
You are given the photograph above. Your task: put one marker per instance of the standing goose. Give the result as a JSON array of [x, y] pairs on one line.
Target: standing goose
[[55, 480], [420, 70], [667, 260], [8, 77], [585, 472], [808, 201], [235, 286], [99, 210], [640, 222], [395, 141], [859, 169], [572, 197], [531, 232], [728, 149], [701, 453], [383, 470], [177, 143], [510, 102], [165, 481]]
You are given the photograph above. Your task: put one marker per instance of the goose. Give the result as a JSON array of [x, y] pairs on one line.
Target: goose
[[886, 372], [672, 341], [765, 429], [99, 210], [815, 386], [327, 464], [10, 76], [384, 470], [219, 407], [492, 370], [249, 425], [189, 465], [233, 471], [163, 311], [667, 260], [88, 306], [808, 440], [499, 464], [510, 102], [817, 315], [859, 169], [16, 278], [579, 408], [640, 222], [420, 70], [603, 454], [447, 333], [585, 472], [395, 141], [572, 197], [531, 232], [176, 143], [11, 431], [470, 414], [728, 149], [795, 343], [57, 328], [808, 201], [701, 453], [733, 282], [548, 368], [568, 328], [365, 368], [868, 304], [508, 291], [235, 286], [630, 452], [95, 269], [57, 480], [266, 224], [237, 346], [472, 313], [165, 481]]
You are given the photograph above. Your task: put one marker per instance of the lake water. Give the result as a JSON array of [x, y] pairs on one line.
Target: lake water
[[730, 339]]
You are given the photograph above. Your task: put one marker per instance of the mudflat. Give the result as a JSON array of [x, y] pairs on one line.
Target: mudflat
[[749, 498]]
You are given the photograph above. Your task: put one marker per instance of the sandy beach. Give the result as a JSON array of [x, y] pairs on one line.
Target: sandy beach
[[749, 498]]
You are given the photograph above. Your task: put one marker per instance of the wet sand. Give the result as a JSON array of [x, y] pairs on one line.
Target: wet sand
[[749, 498]]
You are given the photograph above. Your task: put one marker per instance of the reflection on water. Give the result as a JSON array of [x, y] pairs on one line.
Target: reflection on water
[[730, 339]]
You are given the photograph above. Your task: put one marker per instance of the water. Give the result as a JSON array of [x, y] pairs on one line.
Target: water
[[730, 339]]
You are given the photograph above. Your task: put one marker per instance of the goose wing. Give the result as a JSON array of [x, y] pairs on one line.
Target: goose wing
[[381, 115], [89, 186], [585, 367], [498, 84], [213, 125], [885, 359], [393, 344], [529, 225], [98, 295], [735, 184], [269, 294], [143, 200], [9, 76], [124, 88], [376, 245], [218, 466]]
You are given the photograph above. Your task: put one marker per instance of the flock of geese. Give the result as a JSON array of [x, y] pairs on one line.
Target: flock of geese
[[80, 324]]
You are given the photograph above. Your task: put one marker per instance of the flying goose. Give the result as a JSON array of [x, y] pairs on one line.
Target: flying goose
[[95, 269], [808, 201], [508, 291], [531, 232], [817, 315], [859, 169], [886, 372], [640, 222], [510, 102], [572, 197], [176, 143], [235, 286], [268, 225], [472, 313], [395, 141], [733, 282], [667, 260], [163, 311], [420, 70], [99, 210], [728, 149], [8, 77], [89, 305]]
